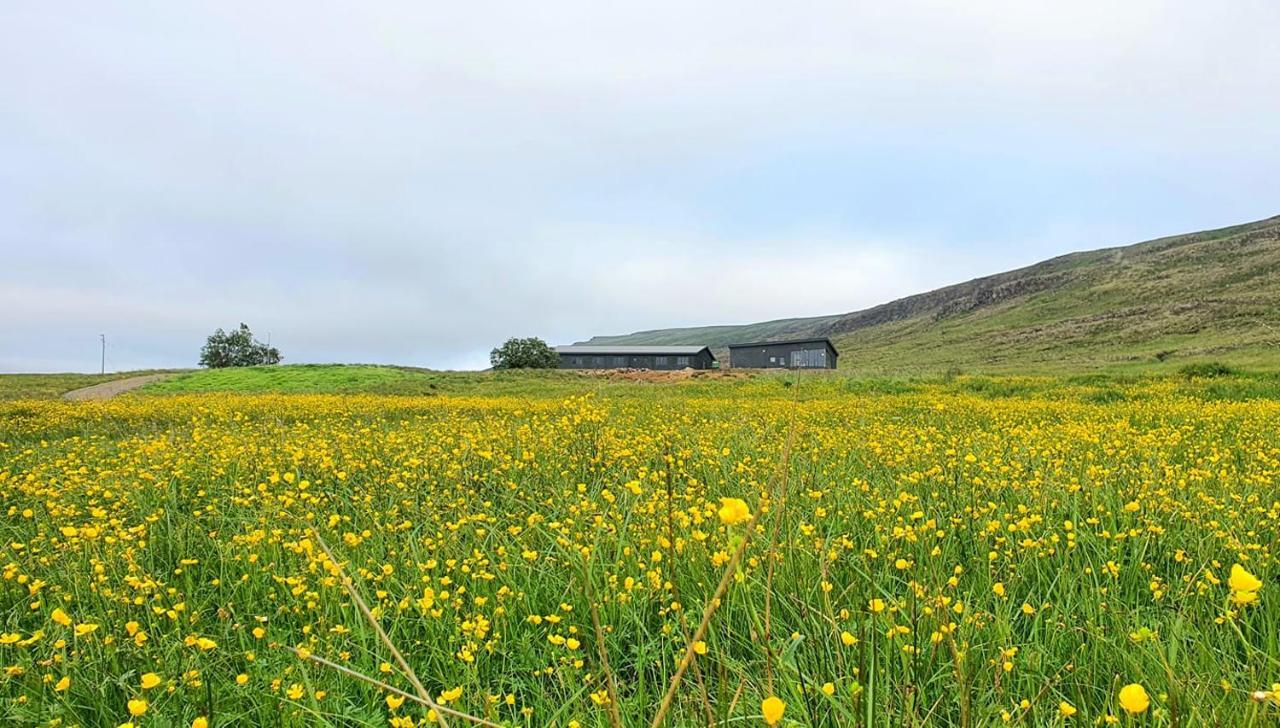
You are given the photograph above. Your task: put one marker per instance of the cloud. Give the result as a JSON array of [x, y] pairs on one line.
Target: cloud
[[412, 183], [406, 306]]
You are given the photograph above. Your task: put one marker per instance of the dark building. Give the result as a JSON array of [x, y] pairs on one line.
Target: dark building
[[635, 357], [794, 354]]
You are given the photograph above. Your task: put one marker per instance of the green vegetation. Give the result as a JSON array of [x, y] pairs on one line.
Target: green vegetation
[[375, 379], [1207, 370], [961, 550], [1152, 307], [1206, 383], [236, 348], [320, 378], [527, 353]]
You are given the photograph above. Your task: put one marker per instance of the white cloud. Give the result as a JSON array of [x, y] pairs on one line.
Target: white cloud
[[408, 182]]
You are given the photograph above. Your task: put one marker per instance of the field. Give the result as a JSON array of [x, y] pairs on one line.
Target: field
[[938, 552]]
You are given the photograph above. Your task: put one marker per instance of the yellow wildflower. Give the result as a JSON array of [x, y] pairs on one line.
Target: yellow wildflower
[[772, 709], [733, 511], [1133, 698]]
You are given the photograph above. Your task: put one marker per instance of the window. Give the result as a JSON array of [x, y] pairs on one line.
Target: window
[[682, 361], [809, 358], [597, 361], [659, 361]]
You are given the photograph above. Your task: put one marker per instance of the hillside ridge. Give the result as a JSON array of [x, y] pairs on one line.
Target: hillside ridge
[[1172, 298]]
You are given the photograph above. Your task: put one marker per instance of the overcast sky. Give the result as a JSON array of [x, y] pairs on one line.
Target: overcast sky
[[413, 182]]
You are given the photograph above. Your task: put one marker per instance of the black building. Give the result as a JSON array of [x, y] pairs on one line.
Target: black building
[[793, 354], [635, 357]]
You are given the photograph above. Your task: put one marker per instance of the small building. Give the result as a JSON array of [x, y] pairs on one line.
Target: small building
[[817, 353], [635, 357]]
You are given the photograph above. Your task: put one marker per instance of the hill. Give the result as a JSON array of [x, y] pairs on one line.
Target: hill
[[1160, 304]]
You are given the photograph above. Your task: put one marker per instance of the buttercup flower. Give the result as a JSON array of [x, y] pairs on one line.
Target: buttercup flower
[[772, 709], [733, 511], [1134, 699]]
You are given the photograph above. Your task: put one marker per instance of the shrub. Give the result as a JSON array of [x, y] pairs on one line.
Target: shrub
[[1206, 370], [236, 348], [530, 353]]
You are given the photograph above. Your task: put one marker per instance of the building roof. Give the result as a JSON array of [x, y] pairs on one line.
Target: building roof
[[633, 350], [812, 340]]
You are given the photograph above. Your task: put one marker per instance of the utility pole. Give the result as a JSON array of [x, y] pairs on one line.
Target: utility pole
[[104, 353]]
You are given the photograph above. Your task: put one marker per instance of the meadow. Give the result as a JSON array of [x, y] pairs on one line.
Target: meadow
[[573, 552]]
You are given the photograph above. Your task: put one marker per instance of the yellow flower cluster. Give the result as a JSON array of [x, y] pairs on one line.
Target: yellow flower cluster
[[971, 554]]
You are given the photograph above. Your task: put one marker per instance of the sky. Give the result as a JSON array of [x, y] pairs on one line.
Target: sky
[[413, 183]]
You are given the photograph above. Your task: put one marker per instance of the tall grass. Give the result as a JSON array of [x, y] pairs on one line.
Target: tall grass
[[962, 553]]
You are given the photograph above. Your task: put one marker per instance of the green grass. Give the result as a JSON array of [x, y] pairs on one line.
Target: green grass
[[1209, 382], [319, 378], [375, 379], [1108, 510]]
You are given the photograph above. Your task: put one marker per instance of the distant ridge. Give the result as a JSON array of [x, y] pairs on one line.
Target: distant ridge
[[1156, 304]]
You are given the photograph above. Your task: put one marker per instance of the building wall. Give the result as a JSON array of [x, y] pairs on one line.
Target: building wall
[[644, 361], [813, 355]]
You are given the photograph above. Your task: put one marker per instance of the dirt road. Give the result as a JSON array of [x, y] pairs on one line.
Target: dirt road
[[107, 390]]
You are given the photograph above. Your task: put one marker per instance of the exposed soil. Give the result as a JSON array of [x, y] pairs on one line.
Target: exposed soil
[[664, 375]]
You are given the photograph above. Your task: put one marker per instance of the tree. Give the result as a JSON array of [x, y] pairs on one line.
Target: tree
[[236, 348], [530, 353]]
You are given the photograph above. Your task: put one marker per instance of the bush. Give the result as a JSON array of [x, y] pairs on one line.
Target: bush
[[530, 353], [236, 348], [1206, 370]]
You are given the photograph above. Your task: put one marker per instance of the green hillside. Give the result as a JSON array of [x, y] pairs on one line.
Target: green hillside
[[1160, 304]]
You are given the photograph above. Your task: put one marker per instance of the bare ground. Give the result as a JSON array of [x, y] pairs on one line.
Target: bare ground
[[663, 375]]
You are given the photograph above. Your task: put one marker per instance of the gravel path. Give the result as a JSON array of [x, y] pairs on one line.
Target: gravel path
[[107, 390]]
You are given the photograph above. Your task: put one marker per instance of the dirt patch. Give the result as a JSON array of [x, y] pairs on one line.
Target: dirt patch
[[663, 375], [107, 390]]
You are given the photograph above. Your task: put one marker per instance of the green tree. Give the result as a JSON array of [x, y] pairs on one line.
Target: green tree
[[530, 353], [236, 348]]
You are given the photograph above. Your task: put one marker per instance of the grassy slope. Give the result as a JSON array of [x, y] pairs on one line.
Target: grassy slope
[[720, 336], [1152, 306]]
